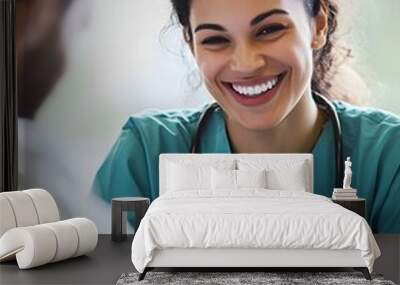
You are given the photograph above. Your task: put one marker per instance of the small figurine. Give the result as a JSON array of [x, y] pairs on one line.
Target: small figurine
[[347, 174], [347, 192]]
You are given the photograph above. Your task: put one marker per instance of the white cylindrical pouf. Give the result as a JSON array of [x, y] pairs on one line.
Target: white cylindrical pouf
[[23, 208], [7, 218], [87, 233], [34, 245], [40, 244], [67, 239], [45, 205]]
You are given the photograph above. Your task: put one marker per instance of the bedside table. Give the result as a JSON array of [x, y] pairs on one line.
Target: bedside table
[[119, 208], [358, 206]]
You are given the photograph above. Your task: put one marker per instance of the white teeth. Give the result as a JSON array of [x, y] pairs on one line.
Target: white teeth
[[255, 90]]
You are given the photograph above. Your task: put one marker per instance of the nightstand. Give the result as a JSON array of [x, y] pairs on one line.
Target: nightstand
[[358, 206], [119, 208]]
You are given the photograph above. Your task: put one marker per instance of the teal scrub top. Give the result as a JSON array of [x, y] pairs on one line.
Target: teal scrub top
[[370, 137]]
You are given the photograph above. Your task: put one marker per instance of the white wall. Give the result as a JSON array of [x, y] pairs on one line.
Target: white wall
[[372, 27], [116, 67]]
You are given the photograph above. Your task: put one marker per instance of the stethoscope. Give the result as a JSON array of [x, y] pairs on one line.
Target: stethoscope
[[321, 101]]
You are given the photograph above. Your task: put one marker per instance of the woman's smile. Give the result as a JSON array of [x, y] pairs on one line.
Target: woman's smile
[[256, 91]]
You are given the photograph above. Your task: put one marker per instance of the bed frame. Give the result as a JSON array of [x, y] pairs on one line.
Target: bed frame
[[250, 259], [234, 259]]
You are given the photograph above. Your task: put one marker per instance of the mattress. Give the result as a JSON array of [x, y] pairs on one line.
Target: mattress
[[250, 219]]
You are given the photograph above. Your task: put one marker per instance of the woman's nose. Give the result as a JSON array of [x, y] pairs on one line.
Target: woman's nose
[[246, 59]]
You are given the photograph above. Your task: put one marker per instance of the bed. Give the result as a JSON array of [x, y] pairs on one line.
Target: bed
[[246, 211]]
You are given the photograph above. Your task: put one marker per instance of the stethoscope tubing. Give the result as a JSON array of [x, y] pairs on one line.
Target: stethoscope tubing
[[321, 101]]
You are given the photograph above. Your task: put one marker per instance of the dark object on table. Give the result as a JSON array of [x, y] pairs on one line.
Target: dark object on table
[[358, 206], [120, 206]]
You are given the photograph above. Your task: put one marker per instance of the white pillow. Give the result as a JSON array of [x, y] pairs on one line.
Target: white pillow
[[189, 175], [226, 179], [223, 179], [183, 178], [251, 178], [293, 175], [291, 180]]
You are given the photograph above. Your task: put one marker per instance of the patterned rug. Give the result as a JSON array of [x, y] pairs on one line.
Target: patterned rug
[[244, 278]]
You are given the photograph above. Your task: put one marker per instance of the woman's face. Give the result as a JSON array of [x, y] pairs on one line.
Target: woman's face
[[255, 56]]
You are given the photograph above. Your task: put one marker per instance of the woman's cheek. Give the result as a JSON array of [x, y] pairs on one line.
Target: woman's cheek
[[208, 66], [210, 71], [302, 55]]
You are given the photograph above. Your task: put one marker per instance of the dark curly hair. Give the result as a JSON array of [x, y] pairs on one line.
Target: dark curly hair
[[329, 61]]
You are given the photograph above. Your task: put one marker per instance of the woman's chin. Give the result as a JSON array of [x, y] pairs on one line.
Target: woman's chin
[[258, 124]]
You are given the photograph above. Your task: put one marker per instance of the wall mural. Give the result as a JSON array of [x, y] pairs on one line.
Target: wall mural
[[40, 53], [86, 66]]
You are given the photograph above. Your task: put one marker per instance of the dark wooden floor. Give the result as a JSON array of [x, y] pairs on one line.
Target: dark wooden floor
[[102, 266]]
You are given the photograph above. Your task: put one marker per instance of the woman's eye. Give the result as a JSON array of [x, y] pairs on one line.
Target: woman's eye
[[271, 29], [214, 41]]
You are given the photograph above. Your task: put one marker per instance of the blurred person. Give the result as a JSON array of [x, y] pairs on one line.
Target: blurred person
[[40, 54]]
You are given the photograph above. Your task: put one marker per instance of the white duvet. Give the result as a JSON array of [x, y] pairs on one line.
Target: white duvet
[[253, 218]]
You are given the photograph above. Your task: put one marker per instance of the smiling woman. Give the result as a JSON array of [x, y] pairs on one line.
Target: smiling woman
[[258, 51], [264, 62]]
